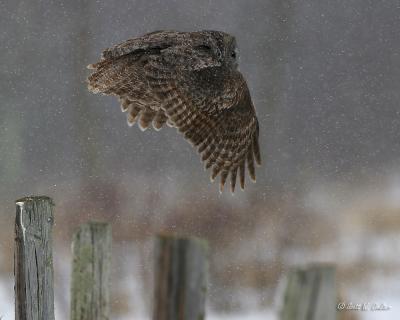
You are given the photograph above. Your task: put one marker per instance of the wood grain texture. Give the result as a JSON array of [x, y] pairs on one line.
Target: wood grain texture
[[310, 294], [91, 249], [33, 259], [180, 278]]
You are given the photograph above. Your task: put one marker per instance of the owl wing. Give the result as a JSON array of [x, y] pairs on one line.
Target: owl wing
[[121, 71], [154, 40], [224, 129]]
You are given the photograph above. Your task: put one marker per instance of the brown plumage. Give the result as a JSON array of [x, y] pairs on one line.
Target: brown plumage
[[188, 80]]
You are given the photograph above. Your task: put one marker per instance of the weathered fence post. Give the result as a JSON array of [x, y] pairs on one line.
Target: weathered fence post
[[91, 250], [310, 294], [33, 259], [180, 278]]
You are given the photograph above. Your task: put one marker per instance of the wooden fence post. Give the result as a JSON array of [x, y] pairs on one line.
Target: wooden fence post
[[310, 294], [33, 259], [180, 278], [91, 249]]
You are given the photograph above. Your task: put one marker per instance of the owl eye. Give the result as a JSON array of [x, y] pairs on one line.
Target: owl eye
[[233, 54]]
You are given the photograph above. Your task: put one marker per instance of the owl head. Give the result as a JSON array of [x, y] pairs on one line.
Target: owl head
[[221, 45]]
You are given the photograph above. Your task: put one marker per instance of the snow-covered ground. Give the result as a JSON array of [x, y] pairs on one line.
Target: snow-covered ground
[[250, 315], [383, 290], [6, 299], [360, 245]]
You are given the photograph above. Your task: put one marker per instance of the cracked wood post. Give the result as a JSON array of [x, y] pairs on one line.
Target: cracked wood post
[[91, 250], [310, 294], [33, 259], [180, 278]]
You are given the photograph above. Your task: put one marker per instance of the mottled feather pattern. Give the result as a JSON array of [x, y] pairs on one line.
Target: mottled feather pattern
[[188, 80]]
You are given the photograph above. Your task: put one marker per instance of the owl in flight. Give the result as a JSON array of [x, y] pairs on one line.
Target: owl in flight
[[190, 81]]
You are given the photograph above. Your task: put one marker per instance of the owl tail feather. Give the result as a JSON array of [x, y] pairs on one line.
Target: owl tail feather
[[250, 164], [99, 81], [233, 179], [242, 174], [224, 175], [256, 151], [110, 75]]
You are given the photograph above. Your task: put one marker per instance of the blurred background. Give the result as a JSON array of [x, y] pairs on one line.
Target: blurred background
[[324, 77]]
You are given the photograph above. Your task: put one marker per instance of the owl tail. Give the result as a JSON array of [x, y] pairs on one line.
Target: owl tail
[[100, 80], [110, 76]]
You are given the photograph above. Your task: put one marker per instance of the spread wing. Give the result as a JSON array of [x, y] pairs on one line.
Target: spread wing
[[153, 88], [223, 128]]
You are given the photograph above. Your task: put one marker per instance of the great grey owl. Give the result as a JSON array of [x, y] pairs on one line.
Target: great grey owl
[[190, 81]]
